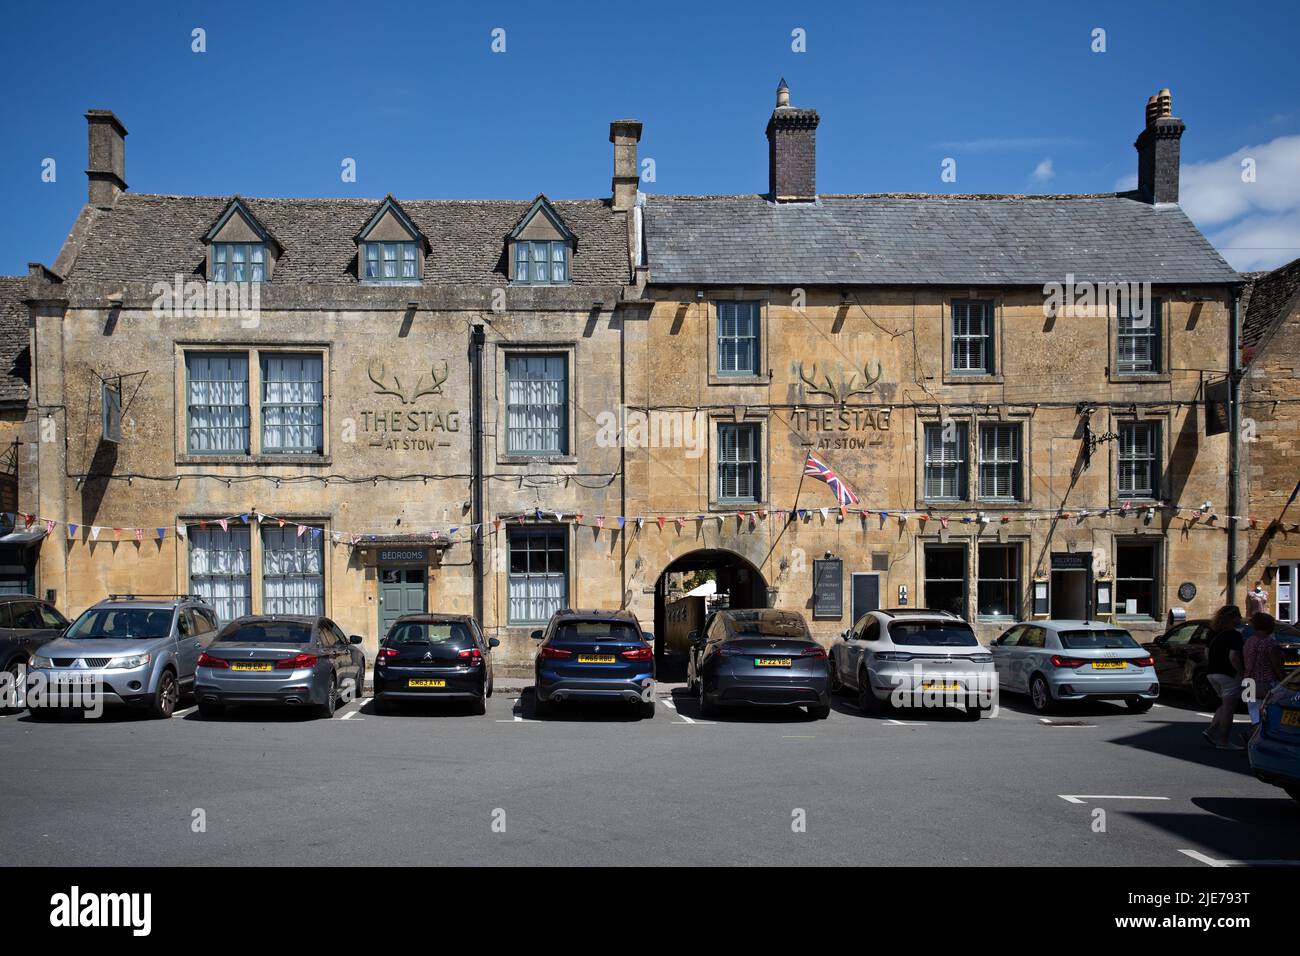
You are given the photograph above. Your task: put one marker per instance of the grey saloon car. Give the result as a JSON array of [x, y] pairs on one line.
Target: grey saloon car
[[1055, 661], [136, 650], [289, 660]]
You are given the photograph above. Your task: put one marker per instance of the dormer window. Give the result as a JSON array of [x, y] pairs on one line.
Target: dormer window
[[239, 247], [389, 261], [539, 246], [238, 262], [390, 247], [542, 263]]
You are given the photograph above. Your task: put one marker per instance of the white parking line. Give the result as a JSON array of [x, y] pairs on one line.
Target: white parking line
[[673, 707], [905, 723], [1200, 857], [1085, 797], [186, 711], [353, 713], [1235, 720], [1052, 723]]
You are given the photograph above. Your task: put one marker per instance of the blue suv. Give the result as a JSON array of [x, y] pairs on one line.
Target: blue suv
[[593, 655]]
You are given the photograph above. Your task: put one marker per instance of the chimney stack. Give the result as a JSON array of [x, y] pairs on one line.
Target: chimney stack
[[107, 167], [791, 150], [625, 134], [1157, 147]]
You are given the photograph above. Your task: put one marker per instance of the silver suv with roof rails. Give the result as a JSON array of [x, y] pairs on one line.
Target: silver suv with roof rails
[[138, 650], [914, 657]]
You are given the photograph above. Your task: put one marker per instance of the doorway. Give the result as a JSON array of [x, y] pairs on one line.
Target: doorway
[[1071, 579], [401, 591]]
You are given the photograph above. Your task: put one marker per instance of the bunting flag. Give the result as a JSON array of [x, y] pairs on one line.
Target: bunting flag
[[943, 521], [600, 521], [180, 531], [816, 468], [94, 533], [139, 534], [301, 528], [49, 526], [620, 521], [225, 525], [162, 533], [660, 521], [72, 530], [680, 521], [117, 534]]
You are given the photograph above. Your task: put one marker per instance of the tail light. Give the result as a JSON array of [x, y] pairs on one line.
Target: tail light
[[1059, 661], [298, 660], [207, 660], [472, 656], [639, 653], [386, 652], [816, 651], [554, 653], [1144, 662]]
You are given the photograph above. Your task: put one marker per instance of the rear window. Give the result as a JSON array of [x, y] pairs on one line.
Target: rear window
[[1111, 640], [269, 632], [437, 632], [932, 634], [596, 631], [769, 626]]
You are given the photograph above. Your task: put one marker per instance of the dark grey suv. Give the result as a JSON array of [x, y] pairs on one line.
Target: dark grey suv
[[26, 624]]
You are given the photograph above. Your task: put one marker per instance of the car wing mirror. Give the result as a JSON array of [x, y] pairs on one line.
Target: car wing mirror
[[356, 639], [537, 635], [693, 637], [493, 642]]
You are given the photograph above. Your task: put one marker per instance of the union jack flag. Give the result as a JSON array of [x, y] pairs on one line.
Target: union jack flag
[[813, 468]]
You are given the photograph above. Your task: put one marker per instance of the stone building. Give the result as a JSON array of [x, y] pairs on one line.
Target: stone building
[[365, 407], [18, 543], [1270, 342]]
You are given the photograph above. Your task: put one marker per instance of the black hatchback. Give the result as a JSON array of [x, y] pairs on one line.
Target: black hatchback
[[428, 656]]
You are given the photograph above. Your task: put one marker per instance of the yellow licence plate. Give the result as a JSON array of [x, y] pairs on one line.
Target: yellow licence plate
[[1291, 718], [1292, 663], [595, 658], [941, 685], [771, 662], [1108, 665], [426, 683], [250, 667]]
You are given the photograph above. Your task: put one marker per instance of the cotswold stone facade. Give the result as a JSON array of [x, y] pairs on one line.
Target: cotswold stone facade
[[504, 407]]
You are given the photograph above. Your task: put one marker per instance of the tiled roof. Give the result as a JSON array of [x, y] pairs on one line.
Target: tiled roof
[[15, 356], [1266, 300], [925, 240], [155, 237]]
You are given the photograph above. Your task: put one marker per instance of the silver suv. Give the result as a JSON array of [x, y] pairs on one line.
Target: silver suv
[[913, 657], [137, 650]]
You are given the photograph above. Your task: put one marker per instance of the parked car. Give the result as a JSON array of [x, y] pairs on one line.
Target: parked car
[[900, 655], [593, 655], [26, 624], [1274, 748], [1055, 661], [443, 656], [142, 650], [285, 659], [1180, 657], [760, 658]]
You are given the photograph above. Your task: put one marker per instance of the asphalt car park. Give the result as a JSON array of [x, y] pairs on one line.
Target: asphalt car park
[[595, 783]]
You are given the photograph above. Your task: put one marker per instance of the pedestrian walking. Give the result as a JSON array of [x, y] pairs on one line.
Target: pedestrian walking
[[1225, 667], [1262, 659]]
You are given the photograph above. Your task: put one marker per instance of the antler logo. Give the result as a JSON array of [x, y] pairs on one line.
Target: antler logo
[[845, 388], [391, 385]]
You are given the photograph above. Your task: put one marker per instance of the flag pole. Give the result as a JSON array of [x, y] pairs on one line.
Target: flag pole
[[794, 511]]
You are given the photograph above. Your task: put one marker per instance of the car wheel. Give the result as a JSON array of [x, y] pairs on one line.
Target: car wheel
[[542, 708], [165, 697], [491, 686], [707, 707], [209, 710], [360, 689], [17, 672], [1203, 693], [837, 685], [382, 705], [819, 711], [1138, 705], [868, 702], [647, 709], [479, 706], [326, 709], [1040, 695]]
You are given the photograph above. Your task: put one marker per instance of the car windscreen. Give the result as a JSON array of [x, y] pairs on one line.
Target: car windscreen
[[268, 632], [424, 632], [596, 631], [122, 624], [1114, 639], [932, 634]]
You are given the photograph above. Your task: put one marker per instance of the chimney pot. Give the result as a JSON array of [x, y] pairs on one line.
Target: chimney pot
[[1158, 150], [106, 166]]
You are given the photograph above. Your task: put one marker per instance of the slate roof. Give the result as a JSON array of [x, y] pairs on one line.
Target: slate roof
[[15, 355], [155, 237], [1266, 301], [916, 239]]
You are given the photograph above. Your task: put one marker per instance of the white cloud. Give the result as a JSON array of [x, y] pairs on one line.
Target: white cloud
[[998, 144], [1044, 171]]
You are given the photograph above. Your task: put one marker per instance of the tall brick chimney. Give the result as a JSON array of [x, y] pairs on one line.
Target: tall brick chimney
[[107, 167], [625, 134], [791, 150], [1157, 147]]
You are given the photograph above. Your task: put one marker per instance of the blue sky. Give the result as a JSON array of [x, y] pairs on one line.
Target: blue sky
[[414, 93]]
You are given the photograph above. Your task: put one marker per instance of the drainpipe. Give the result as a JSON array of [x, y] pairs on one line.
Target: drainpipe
[[1234, 444], [476, 464]]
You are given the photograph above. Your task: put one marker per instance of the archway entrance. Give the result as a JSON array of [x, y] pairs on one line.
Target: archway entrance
[[720, 578]]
